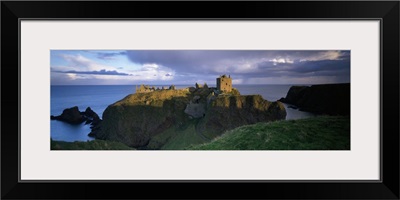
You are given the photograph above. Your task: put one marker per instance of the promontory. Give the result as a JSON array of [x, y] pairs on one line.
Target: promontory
[[170, 118]]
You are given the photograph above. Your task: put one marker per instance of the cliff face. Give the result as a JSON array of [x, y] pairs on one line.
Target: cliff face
[[229, 112], [331, 99], [138, 118], [135, 119]]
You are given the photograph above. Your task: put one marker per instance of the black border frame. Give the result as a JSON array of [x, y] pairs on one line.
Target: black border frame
[[195, 180], [386, 11]]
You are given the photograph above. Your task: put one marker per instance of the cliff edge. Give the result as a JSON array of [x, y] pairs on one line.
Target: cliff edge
[[330, 99]]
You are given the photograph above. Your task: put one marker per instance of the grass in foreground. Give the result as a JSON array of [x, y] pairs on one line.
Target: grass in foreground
[[318, 133], [90, 145], [174, 139]]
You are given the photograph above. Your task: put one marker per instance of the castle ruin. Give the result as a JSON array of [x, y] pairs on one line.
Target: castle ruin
[[145, 88], [224, 83]]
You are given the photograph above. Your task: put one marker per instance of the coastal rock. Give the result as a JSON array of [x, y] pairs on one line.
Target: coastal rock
[[74, 116], [91, 116], [70, 115], [330, 99], [94, 120]]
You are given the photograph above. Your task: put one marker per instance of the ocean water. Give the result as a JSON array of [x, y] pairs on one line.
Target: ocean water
[[99, 97]]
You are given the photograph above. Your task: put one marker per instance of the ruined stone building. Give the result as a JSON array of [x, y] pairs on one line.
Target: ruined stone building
[[224, 83], [144, 89]]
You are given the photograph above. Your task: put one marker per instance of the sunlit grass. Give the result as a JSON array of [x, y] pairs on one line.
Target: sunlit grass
[[319, 133]]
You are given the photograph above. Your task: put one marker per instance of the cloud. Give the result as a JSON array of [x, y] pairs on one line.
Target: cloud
[[324, 55], [303, 67], [247, 65], [190, 66], [70, 67], [227, 61], [89, 79], [188, 60], [109, 55], [63, 78], [79, 62], [281, 60], [150, 67], [306, 72], [100, 72]]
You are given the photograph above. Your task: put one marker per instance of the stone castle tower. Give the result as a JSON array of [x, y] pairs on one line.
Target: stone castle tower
[[224, 83]]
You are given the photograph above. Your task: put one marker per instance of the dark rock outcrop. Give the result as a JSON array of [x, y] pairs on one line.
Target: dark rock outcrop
[[137, 118], [70, 115], [91, 116], [330, 99], [94, 121], [74, 116]]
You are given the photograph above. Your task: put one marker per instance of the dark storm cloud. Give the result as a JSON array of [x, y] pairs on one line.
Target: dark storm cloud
[[188, 60], [100, 72], [304, 67], [213, 60], [248, 64], [322, 65], [338, 70]]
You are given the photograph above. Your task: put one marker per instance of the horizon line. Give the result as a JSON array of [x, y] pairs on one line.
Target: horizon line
[[194, 84]]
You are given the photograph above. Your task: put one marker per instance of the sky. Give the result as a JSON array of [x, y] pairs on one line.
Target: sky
[[186, 67]]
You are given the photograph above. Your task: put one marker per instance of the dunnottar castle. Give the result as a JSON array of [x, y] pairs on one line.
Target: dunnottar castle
[[224, 84]]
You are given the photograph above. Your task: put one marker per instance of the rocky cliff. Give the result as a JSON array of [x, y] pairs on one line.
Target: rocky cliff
[[139, 118], [229, 112], [331, 99], [135, 119]]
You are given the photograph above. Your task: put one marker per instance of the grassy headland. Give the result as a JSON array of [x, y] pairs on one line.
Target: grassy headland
[[318, 133]]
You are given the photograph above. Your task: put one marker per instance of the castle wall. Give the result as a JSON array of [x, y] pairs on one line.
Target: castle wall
[[146, 88], [224, 84], [143, 90]]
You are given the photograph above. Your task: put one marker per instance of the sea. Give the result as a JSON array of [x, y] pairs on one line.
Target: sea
[[98, 97]]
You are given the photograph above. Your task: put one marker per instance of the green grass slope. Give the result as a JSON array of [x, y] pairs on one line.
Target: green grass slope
[[176, 139], [319, 133], [90, 145]]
